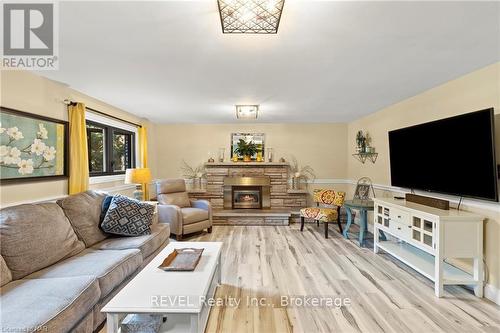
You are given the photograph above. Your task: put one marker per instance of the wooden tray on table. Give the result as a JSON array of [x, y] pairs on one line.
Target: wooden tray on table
[[182, 260]]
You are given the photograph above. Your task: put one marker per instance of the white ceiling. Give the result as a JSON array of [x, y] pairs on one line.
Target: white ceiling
[[168, 61]]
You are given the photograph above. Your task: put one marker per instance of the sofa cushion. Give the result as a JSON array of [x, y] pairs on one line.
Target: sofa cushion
[[5, 274], [52, 305], [193, 215], [83, 211], [147, 244], [128, 217], [109, 267], [180, 199], [35, 236]]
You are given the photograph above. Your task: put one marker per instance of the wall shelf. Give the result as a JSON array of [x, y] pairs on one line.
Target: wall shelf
[[363, 157]]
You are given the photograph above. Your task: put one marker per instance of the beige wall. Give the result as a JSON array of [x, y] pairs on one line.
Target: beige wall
[[475, 91], [322, 146], [25, 91]]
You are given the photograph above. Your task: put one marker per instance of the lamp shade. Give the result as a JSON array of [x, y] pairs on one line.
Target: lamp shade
[[138, 176]]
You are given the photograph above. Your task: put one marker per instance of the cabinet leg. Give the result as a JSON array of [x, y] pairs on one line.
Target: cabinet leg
[[302, 218], [438, 277], [478, 276]]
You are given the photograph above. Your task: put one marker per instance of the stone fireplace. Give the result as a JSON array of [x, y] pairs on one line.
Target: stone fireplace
[[247, 192], [260, 187]]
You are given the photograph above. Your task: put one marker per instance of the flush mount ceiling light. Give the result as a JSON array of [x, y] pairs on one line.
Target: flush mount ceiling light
[[247, 111], [250, 16]]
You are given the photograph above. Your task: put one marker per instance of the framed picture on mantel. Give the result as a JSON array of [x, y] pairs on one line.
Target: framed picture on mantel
[[32, 147], [257, 138]]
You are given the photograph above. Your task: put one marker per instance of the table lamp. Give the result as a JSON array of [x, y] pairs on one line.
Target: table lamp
[[140, 177]]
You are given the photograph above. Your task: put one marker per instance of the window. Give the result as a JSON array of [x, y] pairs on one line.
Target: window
[[111, 149]]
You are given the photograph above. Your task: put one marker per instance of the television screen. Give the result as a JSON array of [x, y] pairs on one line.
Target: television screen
[[453, 156]]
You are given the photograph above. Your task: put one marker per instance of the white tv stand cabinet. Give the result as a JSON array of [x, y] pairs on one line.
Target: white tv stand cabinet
[[425, 237]]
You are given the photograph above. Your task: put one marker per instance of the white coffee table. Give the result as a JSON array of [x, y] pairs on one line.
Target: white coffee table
[[181, 296]]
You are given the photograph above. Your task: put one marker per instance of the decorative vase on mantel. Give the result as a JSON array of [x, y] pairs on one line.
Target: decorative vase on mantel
[[247, 158]]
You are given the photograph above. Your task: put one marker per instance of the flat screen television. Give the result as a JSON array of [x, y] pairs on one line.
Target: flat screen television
[[453, 156]]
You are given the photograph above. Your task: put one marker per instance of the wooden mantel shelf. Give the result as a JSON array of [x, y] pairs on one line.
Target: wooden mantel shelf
[[242, 164]]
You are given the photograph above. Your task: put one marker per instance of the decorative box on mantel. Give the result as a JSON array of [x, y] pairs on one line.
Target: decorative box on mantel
[[273, 194]]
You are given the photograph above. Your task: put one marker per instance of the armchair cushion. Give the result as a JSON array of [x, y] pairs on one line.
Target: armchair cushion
[[320, 214], [180, 199], [329, 197], [171, 186], [193, 215]]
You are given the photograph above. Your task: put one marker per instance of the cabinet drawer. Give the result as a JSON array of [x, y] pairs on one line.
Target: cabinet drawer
[[399, 216], [400, 230]]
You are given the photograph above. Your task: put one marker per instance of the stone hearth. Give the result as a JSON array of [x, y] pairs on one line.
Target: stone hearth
[[281, 198]]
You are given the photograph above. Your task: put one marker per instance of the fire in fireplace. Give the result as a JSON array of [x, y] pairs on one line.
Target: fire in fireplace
[[247, 197]]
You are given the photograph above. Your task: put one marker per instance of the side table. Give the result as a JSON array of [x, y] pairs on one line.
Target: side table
[[363, 206]]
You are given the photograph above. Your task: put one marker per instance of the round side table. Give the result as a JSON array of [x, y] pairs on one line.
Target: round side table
[[363, 206]]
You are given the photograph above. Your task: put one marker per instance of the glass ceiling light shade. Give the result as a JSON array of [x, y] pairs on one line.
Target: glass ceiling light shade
[[250, 16], [247, 111]]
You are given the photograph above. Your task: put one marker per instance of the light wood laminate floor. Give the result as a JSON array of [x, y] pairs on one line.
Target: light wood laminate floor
[[386, 296]]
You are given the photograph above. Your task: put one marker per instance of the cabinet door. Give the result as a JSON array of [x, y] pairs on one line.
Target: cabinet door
[[422, 232], [428, 233]]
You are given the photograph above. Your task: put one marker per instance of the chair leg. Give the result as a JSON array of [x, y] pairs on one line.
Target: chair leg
[[209, 230], [326, 229], [302, 218], [317, 223], [178, 237]]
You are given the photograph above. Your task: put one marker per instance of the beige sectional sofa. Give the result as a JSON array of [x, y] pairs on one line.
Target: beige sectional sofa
[[58, 269]]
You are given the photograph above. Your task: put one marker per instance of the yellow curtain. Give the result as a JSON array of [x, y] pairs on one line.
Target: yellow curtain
[[78, 156], [143, 155]]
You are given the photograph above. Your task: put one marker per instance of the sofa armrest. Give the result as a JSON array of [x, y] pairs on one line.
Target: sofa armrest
[[172, 215]]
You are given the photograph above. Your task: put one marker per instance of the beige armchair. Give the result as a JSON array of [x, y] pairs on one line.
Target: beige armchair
[[185, 216]]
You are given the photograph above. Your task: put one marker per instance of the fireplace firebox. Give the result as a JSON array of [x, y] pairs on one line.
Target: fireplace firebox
[[247, 197], [247, 192]]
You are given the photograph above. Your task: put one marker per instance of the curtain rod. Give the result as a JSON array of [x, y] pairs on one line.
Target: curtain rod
[[68, 102]]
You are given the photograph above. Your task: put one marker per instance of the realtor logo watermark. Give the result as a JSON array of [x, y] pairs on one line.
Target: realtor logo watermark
[[30, 36]]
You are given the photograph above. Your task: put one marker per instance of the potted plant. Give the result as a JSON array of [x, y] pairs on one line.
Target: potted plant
[[360, 141], [246, 149]]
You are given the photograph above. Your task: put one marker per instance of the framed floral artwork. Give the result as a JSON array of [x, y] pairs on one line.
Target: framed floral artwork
[[32, 147]]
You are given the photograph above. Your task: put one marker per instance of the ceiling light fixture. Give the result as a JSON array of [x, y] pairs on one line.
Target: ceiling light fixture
[[247, 111], [250, 16]]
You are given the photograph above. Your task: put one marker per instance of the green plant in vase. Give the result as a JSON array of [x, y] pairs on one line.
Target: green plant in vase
[[246, 149]]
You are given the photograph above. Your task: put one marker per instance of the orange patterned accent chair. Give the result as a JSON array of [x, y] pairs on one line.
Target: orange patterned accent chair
[[324, 197]]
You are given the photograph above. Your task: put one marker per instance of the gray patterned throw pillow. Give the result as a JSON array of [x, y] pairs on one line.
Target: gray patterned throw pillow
[[128, 217]]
